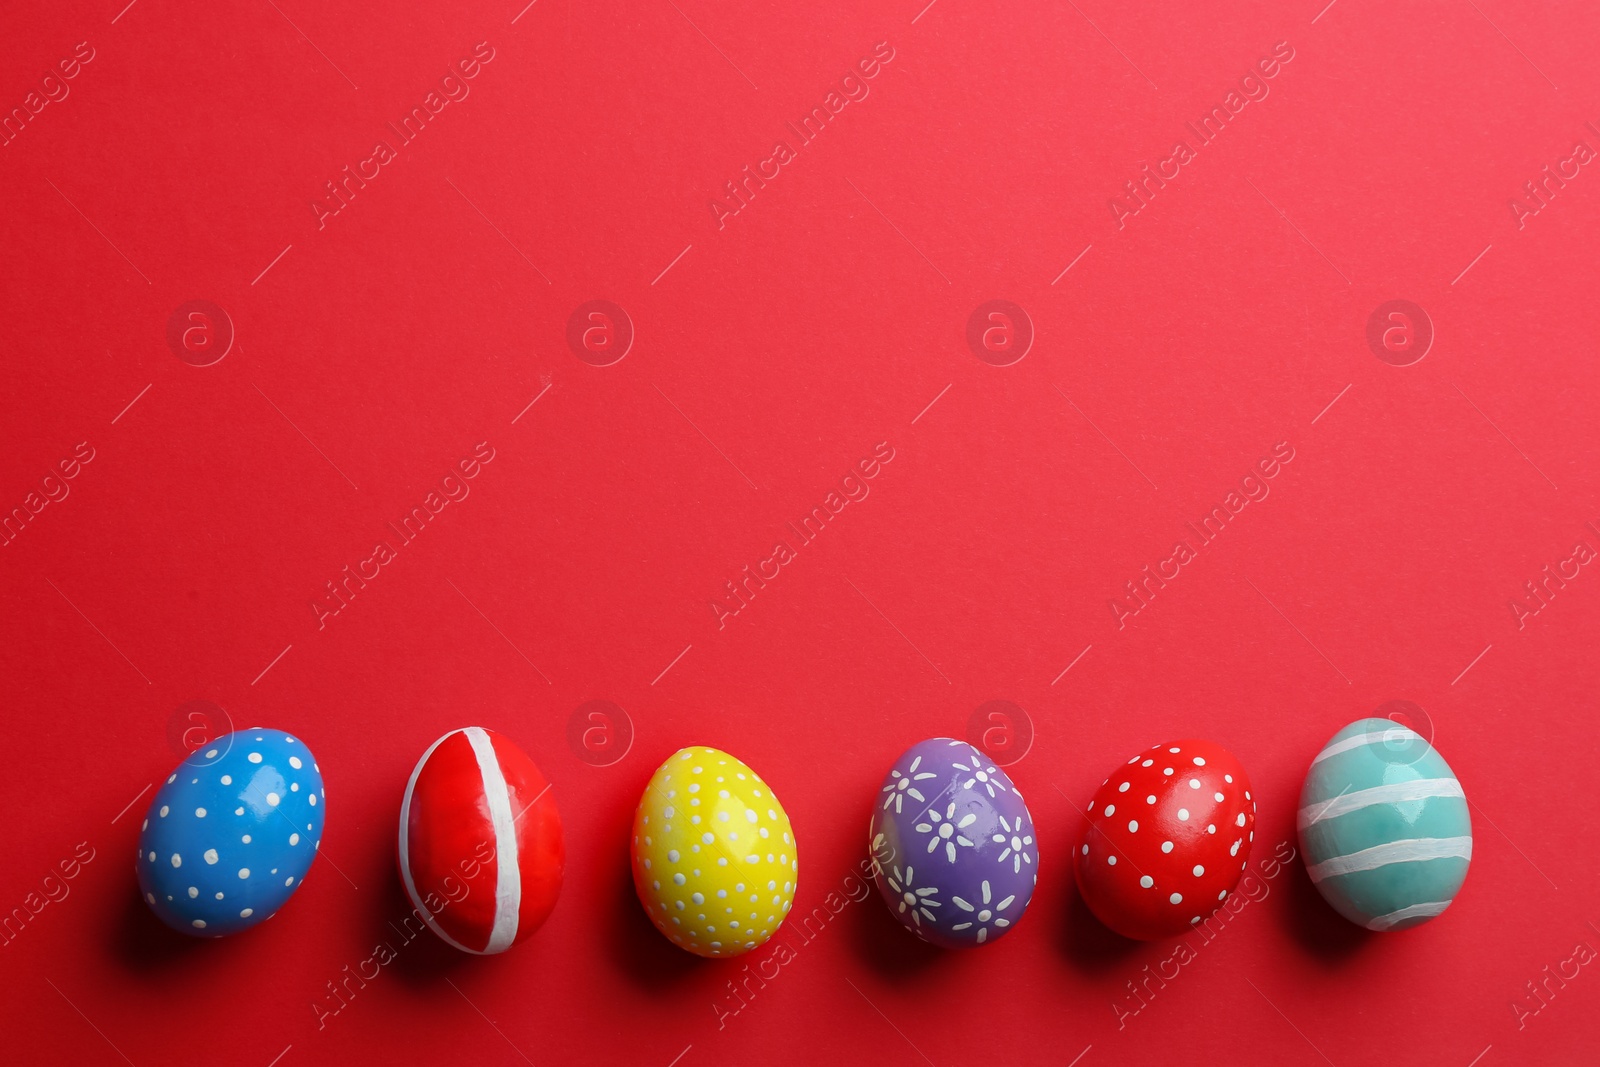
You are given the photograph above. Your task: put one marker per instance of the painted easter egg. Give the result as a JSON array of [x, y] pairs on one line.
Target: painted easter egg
[[954, 845], [714, 858], [1384, 826], [231, 833], [480, 846], [1169, 837]]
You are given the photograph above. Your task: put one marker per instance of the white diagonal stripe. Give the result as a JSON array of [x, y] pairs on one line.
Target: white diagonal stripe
[[508, 881], [1408, 851], [1398, 734], [1415, 911], [417, 905], [1393, 793]]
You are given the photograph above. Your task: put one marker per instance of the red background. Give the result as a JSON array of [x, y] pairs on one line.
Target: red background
[[823, 318]]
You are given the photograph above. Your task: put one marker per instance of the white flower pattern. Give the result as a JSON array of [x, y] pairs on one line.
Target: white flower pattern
[[913, 901], [949, 808], [946, 830], [1015, 843], [901, 785], [986, 917], [988, 779]]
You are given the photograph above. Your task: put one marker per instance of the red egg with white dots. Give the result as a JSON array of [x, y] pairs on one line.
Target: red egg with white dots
[[1169, 837]]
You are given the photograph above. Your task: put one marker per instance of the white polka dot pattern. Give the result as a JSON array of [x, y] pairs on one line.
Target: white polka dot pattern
[[1157, 875], [715, 862], [231, 834]]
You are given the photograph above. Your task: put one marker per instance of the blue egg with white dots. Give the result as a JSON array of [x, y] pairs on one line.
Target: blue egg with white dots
[[231, 833]]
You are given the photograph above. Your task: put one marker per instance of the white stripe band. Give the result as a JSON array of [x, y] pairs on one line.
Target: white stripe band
[[1393, 793], [1410, 850], [405, 850], [1415, 911], [1396, 735], [508, 884]]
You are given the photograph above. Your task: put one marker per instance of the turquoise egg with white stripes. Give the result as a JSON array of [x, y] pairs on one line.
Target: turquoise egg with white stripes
[[1384, 826]]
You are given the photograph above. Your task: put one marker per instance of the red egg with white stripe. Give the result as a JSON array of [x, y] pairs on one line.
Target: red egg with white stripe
[[480, 848], [1169, 837]]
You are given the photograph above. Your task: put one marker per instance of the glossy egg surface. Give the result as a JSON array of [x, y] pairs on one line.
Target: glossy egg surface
[[715, 862], [1169, 837], [954, 844], [231, 833], [1384, 826]]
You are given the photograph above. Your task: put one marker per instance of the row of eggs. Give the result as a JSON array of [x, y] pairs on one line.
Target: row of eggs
[[1383, 824]]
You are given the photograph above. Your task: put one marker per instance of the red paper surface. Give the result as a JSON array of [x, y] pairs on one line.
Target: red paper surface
[[365, 352]]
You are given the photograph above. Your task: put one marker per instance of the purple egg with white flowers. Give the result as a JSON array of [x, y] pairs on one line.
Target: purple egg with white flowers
[[954, 844]]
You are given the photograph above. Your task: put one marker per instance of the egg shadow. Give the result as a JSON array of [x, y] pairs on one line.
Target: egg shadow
[[874, 932], [1315, 926], [887, 948], [144, 945], [422, 959], [640, 951], [1092, 947]]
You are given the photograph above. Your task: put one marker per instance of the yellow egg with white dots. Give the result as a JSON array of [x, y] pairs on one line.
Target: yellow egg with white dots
[[714, 857]]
